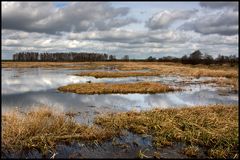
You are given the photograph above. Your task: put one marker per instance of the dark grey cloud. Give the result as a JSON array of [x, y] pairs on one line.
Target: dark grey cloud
[[223, 23], [164, 19], [220, 5], [22, 15], [44, 17]]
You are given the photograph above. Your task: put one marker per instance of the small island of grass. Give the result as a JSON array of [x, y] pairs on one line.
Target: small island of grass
[[108, 88]]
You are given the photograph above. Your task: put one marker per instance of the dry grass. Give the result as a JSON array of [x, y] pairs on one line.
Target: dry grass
[[191, 151], [31, 64], [66, 65], [162, 68], [213, 127], [117, 74], [214, 73], [225, 82], [105, 88], [42, 128], [182, 69]]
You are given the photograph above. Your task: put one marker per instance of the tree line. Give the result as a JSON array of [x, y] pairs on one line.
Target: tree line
[[197, 57], [35, 56]]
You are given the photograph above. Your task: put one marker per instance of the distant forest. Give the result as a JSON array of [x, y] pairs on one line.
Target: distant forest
[[34, 56], [194, 58]]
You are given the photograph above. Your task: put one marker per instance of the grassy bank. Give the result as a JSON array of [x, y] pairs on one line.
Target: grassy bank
[[42, 127], [105, 88], [213, 127]]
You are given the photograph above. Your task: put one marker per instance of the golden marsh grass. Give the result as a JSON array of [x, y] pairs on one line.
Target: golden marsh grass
[[224, 82], [117, 74], [191, 151], [163, 68], [104, 88], [41, 128], [213, 127]]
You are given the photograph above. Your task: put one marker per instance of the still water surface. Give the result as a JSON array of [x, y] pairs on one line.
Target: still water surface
[[32, 86]]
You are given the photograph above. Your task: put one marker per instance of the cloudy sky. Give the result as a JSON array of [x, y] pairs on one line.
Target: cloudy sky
[[139, 29]]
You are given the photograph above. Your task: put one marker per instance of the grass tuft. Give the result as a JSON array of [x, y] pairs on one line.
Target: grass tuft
[[191, 151]]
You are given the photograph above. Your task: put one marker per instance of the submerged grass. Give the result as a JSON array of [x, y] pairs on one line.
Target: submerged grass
[[104, 88], [42, 128], [213, 127]]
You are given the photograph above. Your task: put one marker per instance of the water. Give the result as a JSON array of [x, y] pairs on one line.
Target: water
[[126, 146], [31, 86]]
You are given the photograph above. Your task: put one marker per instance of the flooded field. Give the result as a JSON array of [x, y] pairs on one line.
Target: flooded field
[[28, 87]]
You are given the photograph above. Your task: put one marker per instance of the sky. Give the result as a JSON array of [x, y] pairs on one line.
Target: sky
[[137, 29]]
